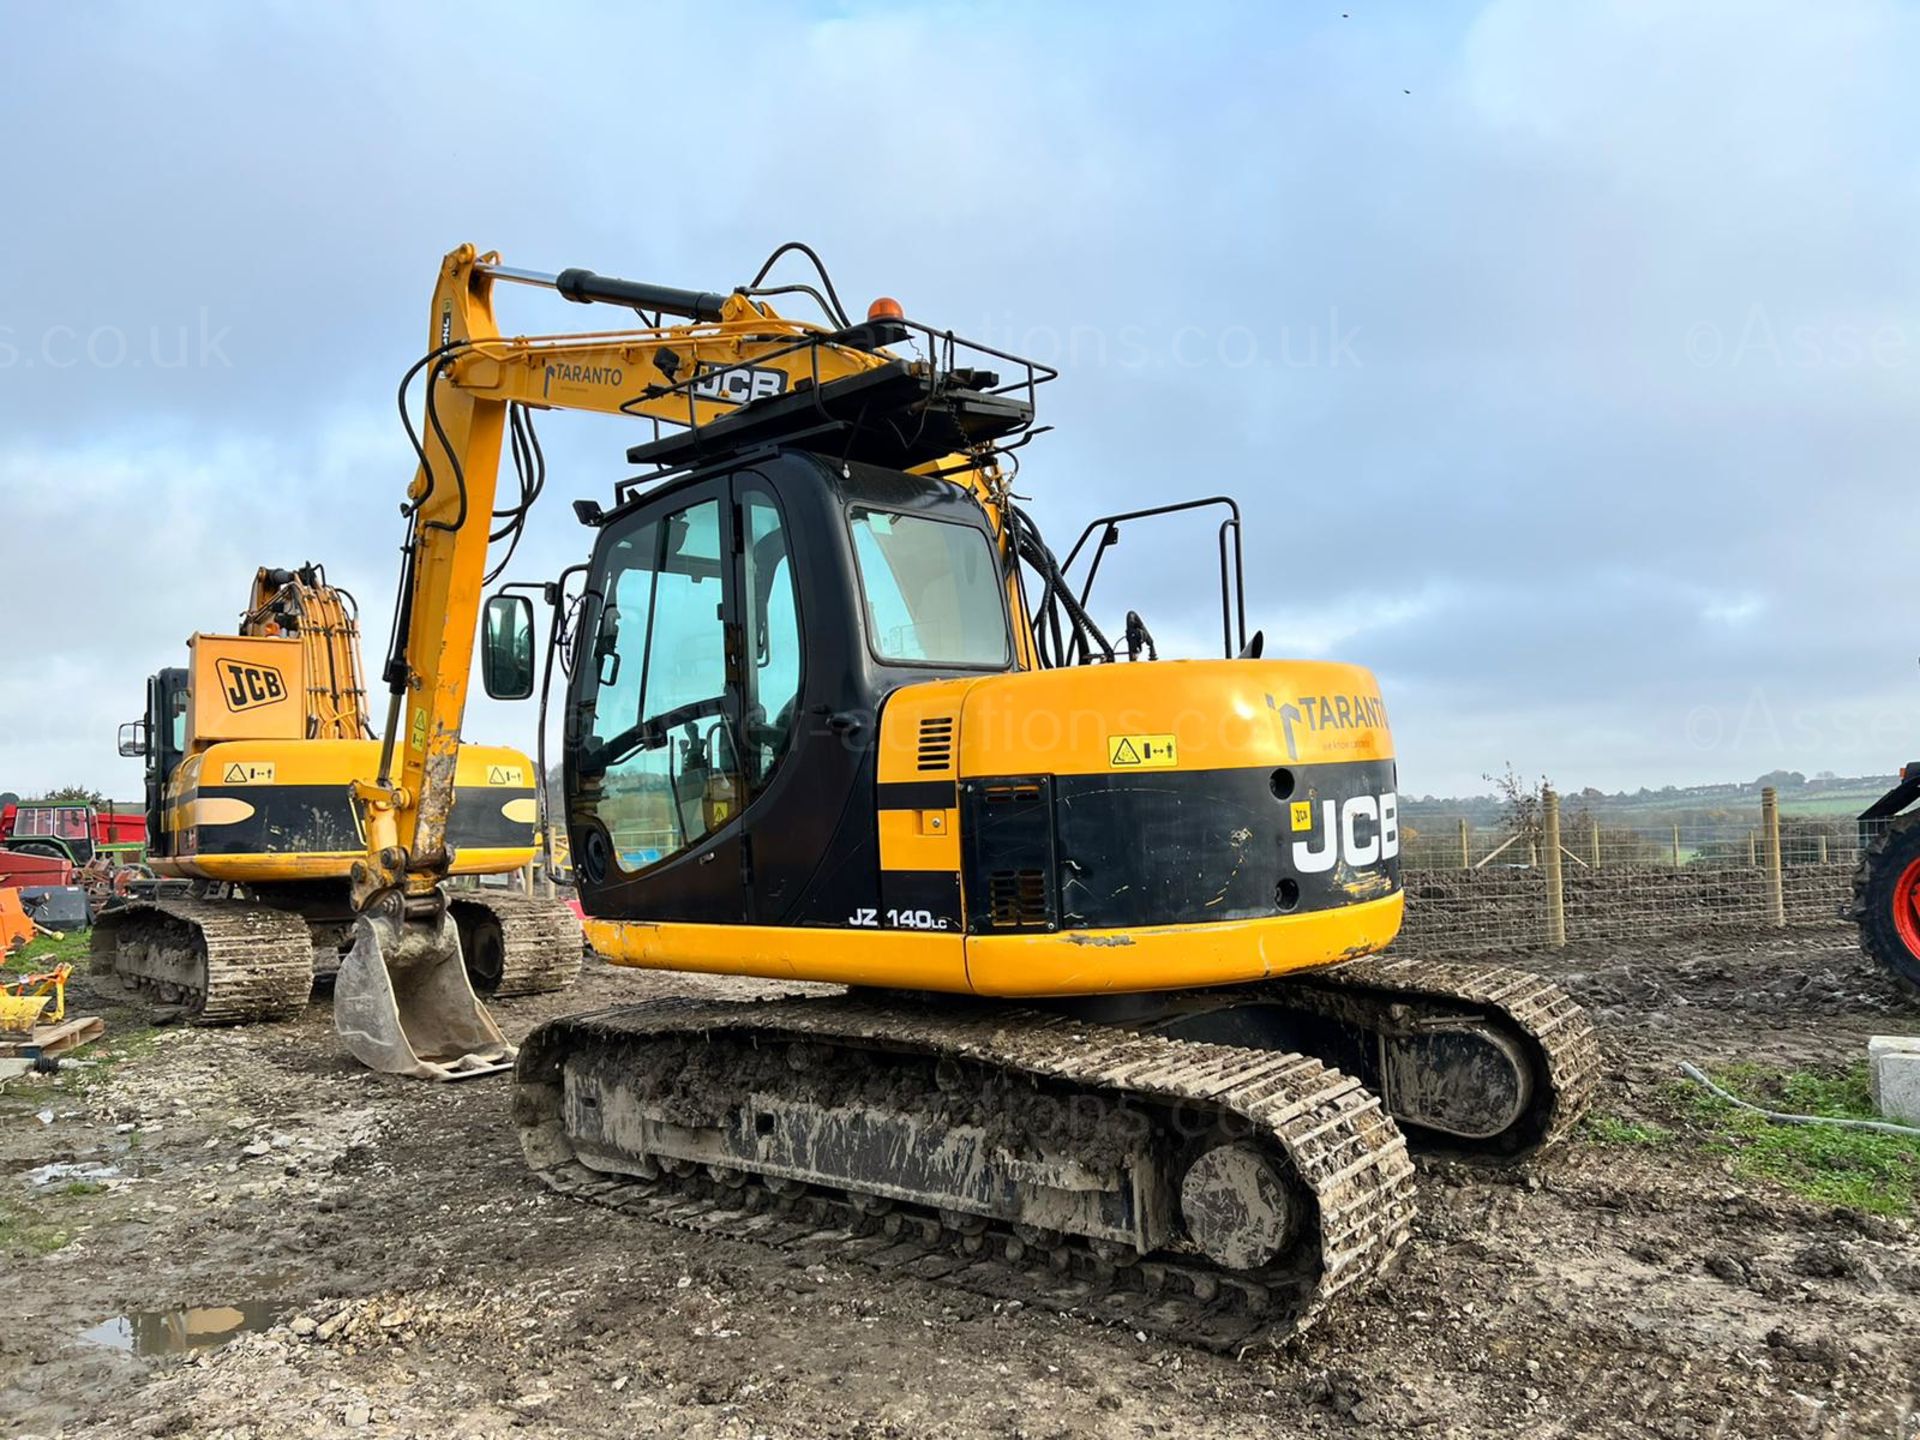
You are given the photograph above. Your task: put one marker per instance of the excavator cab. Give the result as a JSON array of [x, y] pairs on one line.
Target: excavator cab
[[743, 629]]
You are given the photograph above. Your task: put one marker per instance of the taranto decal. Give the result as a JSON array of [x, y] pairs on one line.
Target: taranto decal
[[506, 775], [571, 374], [248, 687], [1309, 714], [1359, 831], [248, 772]]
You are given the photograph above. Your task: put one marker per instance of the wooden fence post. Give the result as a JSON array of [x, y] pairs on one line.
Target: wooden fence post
[[1753, 848], [1676, 847], [1466, 845], [1823, 849], [1556, 896], [1770, 826], [1593, 834]]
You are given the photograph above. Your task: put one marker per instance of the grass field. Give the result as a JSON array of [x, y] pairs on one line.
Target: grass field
[[1861, 1170]]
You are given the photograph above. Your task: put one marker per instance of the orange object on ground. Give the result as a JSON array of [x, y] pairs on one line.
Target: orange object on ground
[[15, 928]]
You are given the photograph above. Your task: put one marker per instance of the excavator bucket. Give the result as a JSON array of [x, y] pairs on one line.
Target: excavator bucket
[[402, 1004]]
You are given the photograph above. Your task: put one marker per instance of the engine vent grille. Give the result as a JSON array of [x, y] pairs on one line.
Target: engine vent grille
[[1009, 875], [936, 744], [1017, 899], [1011, 794]]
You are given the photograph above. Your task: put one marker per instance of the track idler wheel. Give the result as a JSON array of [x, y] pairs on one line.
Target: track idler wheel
[[403, 1005], [1237, 1207]]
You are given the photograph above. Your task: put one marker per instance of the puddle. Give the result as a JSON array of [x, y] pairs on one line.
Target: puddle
[[168, 1332]]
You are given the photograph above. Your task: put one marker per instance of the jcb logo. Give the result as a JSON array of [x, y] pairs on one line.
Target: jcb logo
[[248, 687], [1360, 831], [737, 384]]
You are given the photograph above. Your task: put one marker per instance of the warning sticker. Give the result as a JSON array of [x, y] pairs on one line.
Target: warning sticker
[[248, 772], [1301, 812], [506, 775], [1154, 752]]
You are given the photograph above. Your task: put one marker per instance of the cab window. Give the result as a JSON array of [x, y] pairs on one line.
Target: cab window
[[931, 591], [660, 747], [773, 637]]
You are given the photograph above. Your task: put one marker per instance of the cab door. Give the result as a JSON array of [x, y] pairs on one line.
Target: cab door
[[654, 742], [166, 747]]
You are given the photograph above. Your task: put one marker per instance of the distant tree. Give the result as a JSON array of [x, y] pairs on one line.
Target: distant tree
[[1782, 780], [73, 795], [1521, 813]]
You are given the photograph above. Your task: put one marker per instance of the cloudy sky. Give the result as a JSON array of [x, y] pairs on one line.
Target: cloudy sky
[[1563, 356]]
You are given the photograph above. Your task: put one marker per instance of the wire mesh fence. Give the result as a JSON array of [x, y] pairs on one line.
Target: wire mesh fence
[[1470, 888]]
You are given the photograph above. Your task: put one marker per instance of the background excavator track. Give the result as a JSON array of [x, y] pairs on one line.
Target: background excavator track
[[539, 942], [225, 963], [1344, 1152]]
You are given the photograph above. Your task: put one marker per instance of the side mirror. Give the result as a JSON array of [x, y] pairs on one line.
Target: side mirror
[[133, 739], [506, 647]]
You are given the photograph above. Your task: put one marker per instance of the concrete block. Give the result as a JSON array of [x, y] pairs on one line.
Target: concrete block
[[1893, 1064]]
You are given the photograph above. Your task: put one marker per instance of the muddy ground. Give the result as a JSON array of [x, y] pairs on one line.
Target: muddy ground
[[407, 1276]]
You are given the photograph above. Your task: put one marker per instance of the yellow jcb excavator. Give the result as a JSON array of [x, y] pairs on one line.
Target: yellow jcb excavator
[[1116, 1033], [250, 754]]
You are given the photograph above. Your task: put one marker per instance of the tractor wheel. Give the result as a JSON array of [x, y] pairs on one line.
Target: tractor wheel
[[1886, 900], [38, 847]]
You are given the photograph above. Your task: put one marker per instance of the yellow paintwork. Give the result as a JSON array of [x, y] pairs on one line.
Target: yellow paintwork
[[1066, 963], [336, 762], [1168, 956], [918, 839], [890, 959], [1060, 722], [270, 869]]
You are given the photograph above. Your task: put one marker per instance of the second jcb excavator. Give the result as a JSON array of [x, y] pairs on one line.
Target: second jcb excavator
[[1117, 1032], [250, 751]]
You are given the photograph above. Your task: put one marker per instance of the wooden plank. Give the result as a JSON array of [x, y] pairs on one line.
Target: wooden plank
[[69, 1034]]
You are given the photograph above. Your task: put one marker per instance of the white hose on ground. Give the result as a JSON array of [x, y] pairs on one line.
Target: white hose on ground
[[1779, 1117]]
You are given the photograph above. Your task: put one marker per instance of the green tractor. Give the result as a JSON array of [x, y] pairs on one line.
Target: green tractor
[[73, 830]]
